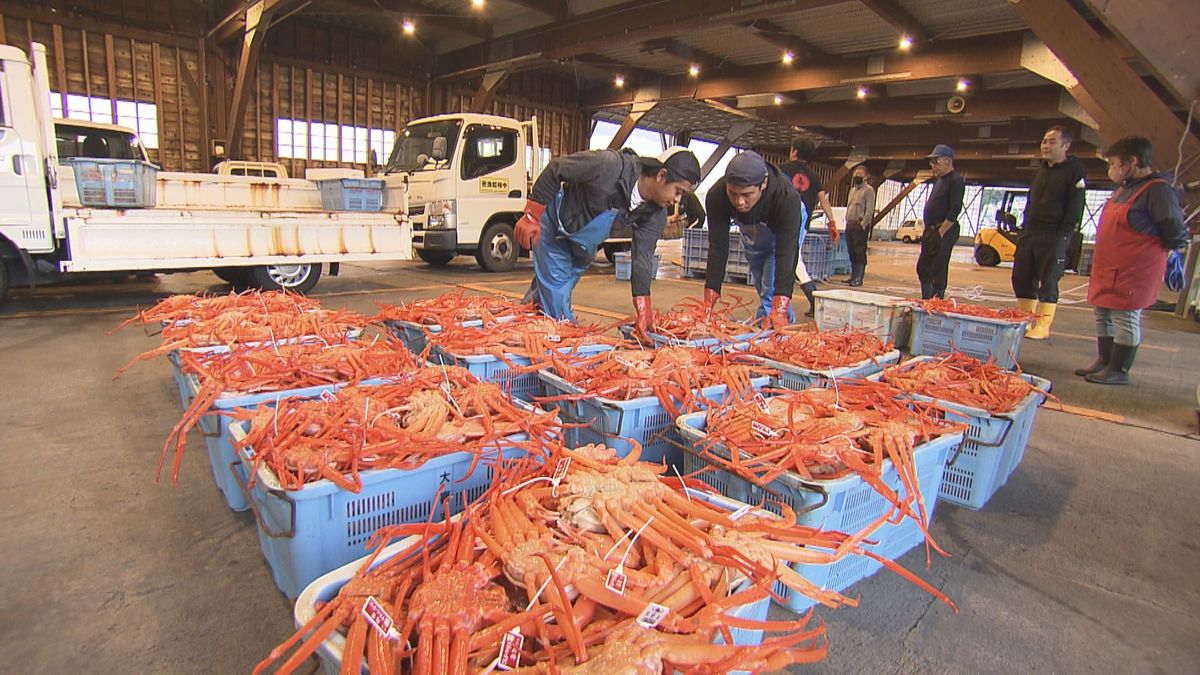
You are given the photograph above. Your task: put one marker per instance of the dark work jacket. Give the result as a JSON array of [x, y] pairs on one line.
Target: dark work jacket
[[594, 181], [945, 200], [806, 182], [1056, 197], [779, 208]]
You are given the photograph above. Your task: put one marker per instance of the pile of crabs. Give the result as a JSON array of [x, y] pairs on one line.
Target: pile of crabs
[[575, 559]]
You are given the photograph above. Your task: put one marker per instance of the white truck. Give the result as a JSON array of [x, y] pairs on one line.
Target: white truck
[[469, 176], [265, 232]]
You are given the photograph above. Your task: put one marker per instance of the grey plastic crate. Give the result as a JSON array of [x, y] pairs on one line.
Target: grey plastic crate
[[115, 183]]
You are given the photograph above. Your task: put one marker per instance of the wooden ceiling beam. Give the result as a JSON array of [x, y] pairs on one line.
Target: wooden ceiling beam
[[998, 106], [777, 36], [953, 133], [556, 9], [897, 17], [398, 10], [684, 52]]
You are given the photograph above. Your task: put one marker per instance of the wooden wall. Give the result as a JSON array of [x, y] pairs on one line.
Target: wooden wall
[[152, 52]]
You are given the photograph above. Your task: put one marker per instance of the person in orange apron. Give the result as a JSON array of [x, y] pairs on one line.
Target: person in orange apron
[[1141, 223]]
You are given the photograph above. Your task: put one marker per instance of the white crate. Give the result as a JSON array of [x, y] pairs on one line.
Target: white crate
[[887, 316]]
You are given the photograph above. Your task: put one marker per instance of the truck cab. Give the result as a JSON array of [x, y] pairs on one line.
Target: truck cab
[[96, 140], [468, 178]]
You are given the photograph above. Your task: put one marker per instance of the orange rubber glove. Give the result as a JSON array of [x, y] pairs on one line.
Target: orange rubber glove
[[777, 318], [529, 229], [642, 322]]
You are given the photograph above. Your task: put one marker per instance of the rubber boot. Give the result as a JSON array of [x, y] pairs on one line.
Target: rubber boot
[[856, 279], [1117, 371], [1040, 328], [926, 290], [1028, 305], [808, 288], [1104, 348]]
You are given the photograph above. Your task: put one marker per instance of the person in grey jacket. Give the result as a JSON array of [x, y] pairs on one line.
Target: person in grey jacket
[[579, 199], [860, 212]]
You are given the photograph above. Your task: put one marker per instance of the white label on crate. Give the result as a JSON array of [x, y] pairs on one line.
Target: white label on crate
[[379, 618], [761, 402], [762, 429], [551, 337], [742, 510], [652, 615], [616, 581], [328, 396], [510, 650], [560, 470]]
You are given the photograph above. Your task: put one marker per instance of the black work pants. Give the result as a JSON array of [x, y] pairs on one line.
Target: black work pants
[[933, 265], [856, 243], [1038, 264]]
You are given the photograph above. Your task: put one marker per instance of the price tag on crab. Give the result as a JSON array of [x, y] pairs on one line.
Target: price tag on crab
[[761, 402], [551, 337], [763, 430], [652, 615], [328, 396], [510, 650], [379, 618], [560, 470], [616, 581]]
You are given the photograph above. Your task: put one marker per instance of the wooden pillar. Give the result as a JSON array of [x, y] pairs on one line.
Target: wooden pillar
[[258, 17], [636, 113], [899, 198], [492, 81], [736, 131]]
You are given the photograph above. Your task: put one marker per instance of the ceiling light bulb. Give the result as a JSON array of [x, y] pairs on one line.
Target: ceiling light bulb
[[477, 3], [861, 93], [778, 99], [962, 85], [905, 42], [408, 26], [693, 70], [619, 81], [788, 57]]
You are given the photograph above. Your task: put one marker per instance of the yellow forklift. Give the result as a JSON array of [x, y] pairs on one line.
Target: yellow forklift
[[994, 245]]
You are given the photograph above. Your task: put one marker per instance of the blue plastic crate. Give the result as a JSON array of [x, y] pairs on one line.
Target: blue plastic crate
[[326, 588], [993, 447], [613, 423], [841, 258], [351, 194], [817, 255], [623, 265], [309, 532], [115, 183], [710, 343], [797, 378], [490, 368], [412, 335], [849, 505], [982, 338]]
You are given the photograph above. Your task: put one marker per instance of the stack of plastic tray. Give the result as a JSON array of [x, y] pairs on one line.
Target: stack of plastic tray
[[993, 448], [841, 258], [695, 252], [797, 378], [843, 505], [308, 532], [817, 255], [885, 316], [326, 588], [617, 424], [351, 194], [115, 183], [982, 338], [505, 372], [624, 266]]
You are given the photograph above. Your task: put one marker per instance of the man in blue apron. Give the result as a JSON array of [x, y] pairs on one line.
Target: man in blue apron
[[579, 199], [768, 211]]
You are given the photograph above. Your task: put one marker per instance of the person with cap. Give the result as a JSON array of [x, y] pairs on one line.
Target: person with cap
[[1053, 213], [942, 209], [573, 207], [768, 212], [808, 184], [860, 212]]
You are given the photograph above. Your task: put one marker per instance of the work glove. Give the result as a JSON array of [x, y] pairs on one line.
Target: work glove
[[529, 228], [834, 234], [642, 321], [710, 301], [777, 318]]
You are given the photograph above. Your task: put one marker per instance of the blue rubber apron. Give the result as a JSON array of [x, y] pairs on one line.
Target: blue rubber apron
[[560, 258], [758, 241]]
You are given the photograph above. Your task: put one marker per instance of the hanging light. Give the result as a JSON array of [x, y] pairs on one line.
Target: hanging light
[[694, 70], [477, 4], [788, 57], [778, 99], [963, 84], [905, 42], [861, 93], [619, 81], [408, 26]]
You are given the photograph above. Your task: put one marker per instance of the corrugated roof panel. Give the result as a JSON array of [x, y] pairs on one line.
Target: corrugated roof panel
[[738, 44], [659, 63], [840, 29], [945, 19]]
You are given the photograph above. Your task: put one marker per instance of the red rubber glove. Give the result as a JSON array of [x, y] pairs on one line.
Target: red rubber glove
[[777, 319], [642, 322], [710, 301], [529, 228], [834, 234]]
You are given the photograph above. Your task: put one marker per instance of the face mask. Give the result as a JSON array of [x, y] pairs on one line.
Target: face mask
[[858, 180]]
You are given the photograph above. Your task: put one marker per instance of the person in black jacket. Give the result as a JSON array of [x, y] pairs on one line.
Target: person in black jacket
[[1054, 211], [574, 206], [812, 191], [942, 209], [768, 212], [692, 210]]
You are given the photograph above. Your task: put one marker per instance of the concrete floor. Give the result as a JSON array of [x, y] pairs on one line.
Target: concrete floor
[[1087, 560]]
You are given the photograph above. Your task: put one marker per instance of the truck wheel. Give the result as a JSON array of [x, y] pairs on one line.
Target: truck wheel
[[498, 248], [987, 256], [3, 279], [611, 251], [907, 239], [239, 277], [436, 258], [295, 278]]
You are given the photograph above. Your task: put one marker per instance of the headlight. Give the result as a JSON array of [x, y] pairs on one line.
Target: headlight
[[441, 215]]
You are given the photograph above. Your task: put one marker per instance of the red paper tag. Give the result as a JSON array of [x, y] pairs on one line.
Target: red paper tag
[[510, 650], [761, 402], [328, 396], [652, 615], [560, 470], [378, 617], [616, 582]]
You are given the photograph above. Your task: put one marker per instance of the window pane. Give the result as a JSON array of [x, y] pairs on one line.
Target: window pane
[[127, 112]]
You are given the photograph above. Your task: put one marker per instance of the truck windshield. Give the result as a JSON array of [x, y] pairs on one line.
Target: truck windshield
[[417, 140], [93, 143]]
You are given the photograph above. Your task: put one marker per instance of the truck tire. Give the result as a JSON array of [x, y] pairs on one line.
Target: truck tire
[[296, 278], [987, 256], [611, 251], [238, 277], [498, 248], [3, 280], [436, 258]]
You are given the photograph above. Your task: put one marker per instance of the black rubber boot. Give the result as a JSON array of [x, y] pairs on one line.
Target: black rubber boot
[[1104, 347], [856, 277], [1117, 371], [926, 290], [808, 289]]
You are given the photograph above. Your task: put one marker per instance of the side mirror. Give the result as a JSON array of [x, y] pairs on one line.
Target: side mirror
[[439, 148]]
